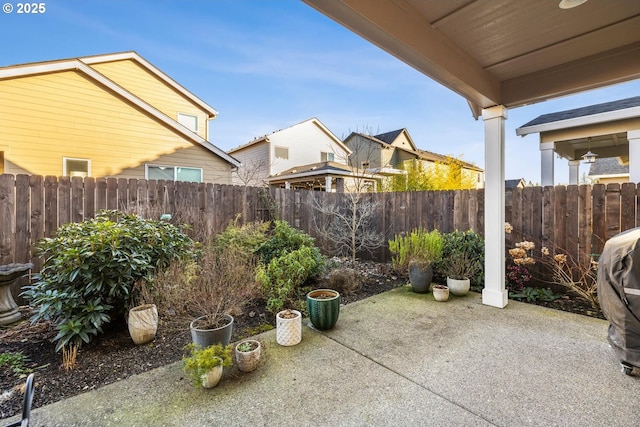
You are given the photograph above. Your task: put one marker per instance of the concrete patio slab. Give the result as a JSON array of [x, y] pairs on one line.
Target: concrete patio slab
[[398, 358]]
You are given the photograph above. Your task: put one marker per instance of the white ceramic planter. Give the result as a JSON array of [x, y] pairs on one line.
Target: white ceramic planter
[[440, 293], [248, 360], [458, 287], [212, 378], [289, 331]]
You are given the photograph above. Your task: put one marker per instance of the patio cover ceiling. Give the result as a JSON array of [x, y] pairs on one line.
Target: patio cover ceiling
[[502, 52]]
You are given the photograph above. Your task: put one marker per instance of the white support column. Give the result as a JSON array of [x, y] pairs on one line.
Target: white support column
[[547, 155], [287, 185], [634, 155], [327, 184], [494, 292], [574, 172]]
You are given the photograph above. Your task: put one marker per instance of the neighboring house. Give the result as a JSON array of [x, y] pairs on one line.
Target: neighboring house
[[301, 156], [609, 170], [387, 153], [510, 184], [111, 115]]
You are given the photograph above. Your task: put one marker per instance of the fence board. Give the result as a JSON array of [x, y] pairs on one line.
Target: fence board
[[612, 210], [572, 228], [22, 219], [7, 210], [577, 219]]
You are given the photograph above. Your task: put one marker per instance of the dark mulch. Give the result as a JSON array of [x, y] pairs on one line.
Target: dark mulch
[[113, 356]]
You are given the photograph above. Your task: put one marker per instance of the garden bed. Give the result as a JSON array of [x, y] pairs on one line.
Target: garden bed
[[113, 357]]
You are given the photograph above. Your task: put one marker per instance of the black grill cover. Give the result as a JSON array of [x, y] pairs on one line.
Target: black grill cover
[[619, 293]]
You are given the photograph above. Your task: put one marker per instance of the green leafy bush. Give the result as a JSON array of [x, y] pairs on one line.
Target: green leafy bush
[[247, 237], [283, 239], [283, 276], [419, 245], [469, 243], [15, 362], [200, 360], [90, 269]]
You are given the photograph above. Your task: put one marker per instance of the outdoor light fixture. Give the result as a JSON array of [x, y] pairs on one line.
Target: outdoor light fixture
[[568, 4], [589, 157]]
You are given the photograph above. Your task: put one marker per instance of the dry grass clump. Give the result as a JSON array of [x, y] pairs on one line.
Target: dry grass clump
[[220, 282], [344, 280]]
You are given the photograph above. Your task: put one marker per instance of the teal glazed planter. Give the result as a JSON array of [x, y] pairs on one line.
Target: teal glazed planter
[[323, 306]]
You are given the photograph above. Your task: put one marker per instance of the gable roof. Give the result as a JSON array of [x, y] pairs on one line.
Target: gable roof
[[608, 166], [598, 113], [78, 65], [389, 137], [314, 120]]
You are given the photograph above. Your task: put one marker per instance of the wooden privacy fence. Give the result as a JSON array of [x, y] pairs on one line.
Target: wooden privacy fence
[[575, 219]]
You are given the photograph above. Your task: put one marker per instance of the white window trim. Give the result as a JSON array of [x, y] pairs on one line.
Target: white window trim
[[327, 154], [190, 116], [174, 167], [64, 164]]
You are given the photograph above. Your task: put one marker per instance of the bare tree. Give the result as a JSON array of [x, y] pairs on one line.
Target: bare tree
[[252, 173], [347, 222]]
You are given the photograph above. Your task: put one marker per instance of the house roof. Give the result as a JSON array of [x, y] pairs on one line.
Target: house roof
[[513, 183], [606, 111], [608, 166], [389, 137], [422, 154], [265, 138], [315, 170], [79, 65]]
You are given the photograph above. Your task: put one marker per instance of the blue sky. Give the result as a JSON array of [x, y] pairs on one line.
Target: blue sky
[[266, 65]]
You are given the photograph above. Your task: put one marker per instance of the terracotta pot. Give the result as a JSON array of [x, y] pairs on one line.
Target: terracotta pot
[[143, 323], [248, 360], [324, 308], [288, 330]]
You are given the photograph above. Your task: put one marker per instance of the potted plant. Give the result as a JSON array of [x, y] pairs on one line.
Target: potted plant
[[323, 306], [417, 251], [143, 323], [440, 292], [205, 365], [248, 355], [459, 268], [288, 327], [211, 329]]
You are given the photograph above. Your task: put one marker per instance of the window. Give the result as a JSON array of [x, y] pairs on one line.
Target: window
[[174, 173], [189, 121], [282, 153], [76, 167], [326, 157]]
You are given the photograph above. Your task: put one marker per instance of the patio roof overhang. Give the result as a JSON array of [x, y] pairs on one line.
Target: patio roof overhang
[[501, 54]]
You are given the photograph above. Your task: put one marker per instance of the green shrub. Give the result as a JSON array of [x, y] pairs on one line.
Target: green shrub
[[283, 276], [283, 239], [15, 362], [90, 269], [469, 243], [419, 245], [247, 237]]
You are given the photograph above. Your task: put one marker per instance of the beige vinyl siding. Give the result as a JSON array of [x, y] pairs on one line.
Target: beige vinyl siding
[[47, 117], [256, 155], [146, 86]]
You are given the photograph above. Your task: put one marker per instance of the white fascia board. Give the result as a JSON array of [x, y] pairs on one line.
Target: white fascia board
[[76, 65], [609, 116]]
